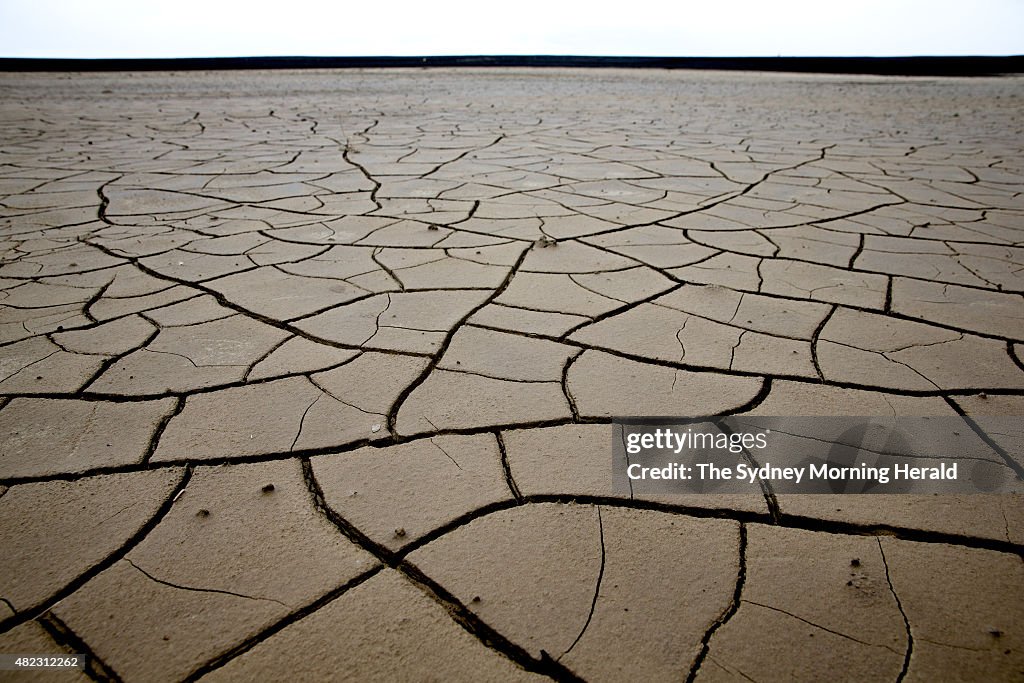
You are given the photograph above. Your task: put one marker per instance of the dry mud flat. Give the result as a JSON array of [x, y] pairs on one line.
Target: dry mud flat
[[309, 374]]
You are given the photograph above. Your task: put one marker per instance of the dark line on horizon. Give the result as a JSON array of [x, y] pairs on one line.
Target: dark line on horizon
[[974, 65]]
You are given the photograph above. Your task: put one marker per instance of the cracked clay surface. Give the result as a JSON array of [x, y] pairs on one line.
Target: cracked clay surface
[[309, 375]]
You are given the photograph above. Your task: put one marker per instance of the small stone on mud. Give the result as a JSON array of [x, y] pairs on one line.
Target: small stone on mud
[[203, 512], [375, 428], [400, 532], [855, 562], [269, 488]]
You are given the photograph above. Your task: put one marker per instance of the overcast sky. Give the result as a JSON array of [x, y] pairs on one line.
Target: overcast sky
[[217, 28]]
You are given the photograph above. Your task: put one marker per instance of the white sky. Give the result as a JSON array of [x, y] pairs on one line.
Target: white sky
[[220, 28]]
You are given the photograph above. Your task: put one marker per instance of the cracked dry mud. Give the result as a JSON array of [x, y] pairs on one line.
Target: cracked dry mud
[[309, 375]]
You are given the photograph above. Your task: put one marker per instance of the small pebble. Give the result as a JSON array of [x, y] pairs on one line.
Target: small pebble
[[855, 562], [400, 532], [375, 428], [203, 512], [269, 488]]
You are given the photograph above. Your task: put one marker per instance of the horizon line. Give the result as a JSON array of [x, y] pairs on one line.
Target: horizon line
[[920, 65]]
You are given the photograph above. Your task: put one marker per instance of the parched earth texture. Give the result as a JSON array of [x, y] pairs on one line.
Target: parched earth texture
[[309, 375]]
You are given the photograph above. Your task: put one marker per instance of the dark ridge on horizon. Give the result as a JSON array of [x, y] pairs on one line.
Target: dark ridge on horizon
[[886, 66]]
